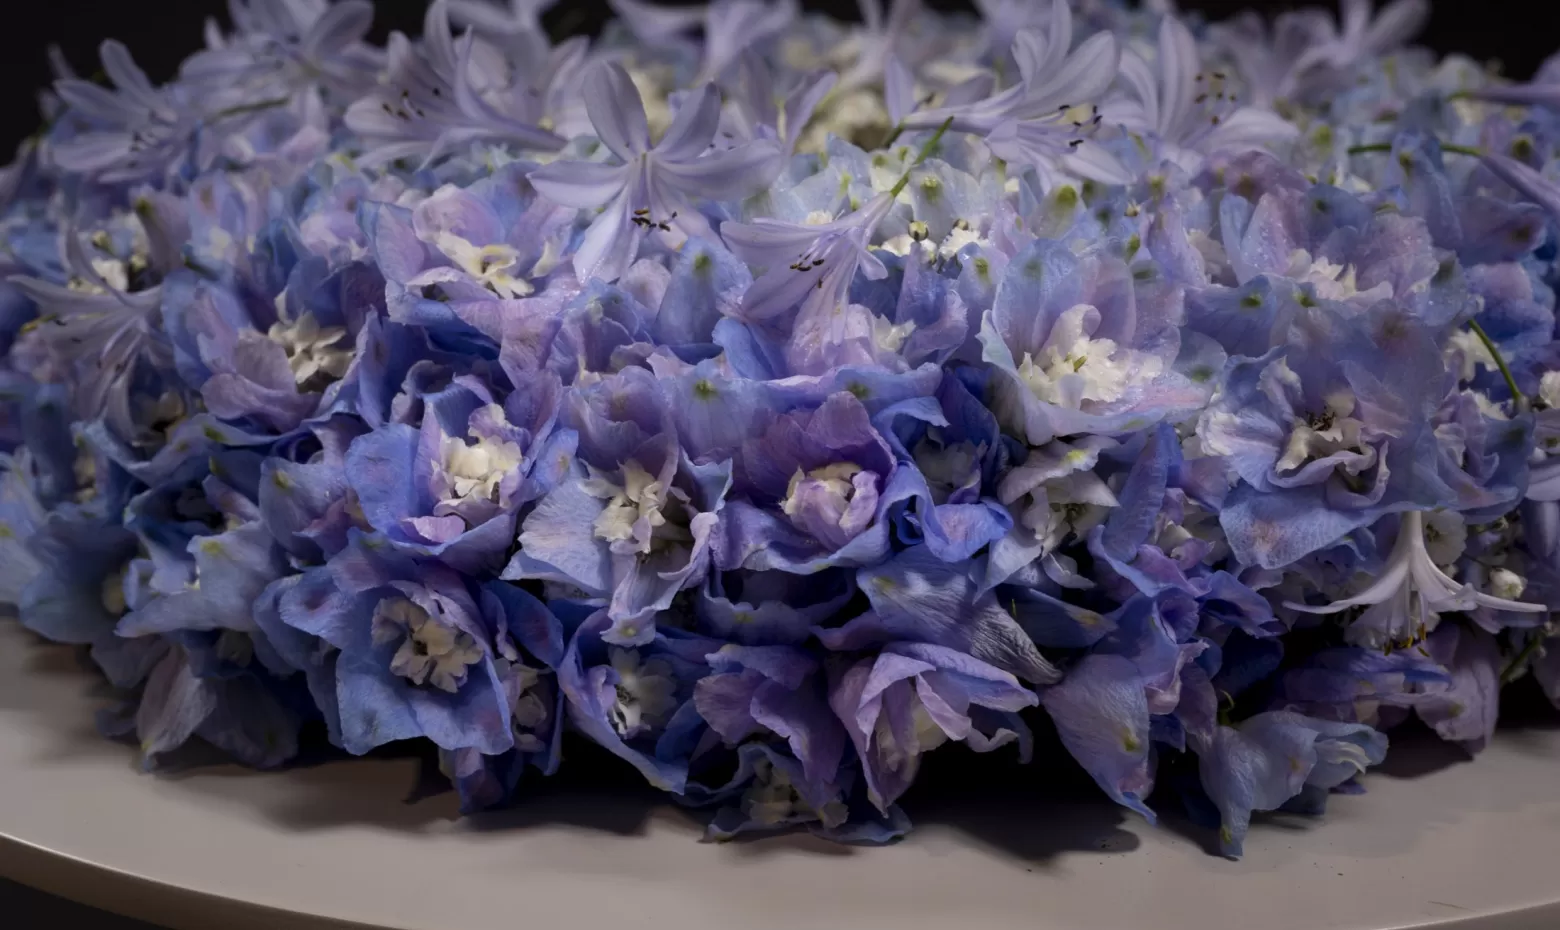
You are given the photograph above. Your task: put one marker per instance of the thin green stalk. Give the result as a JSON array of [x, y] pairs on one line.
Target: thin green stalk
[[1387, 147], [893, 134], [1505, 372], [920, 157], [255, 107], [1514, 670]]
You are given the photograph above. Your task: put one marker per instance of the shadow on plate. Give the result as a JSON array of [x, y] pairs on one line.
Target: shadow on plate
[[1034, 813]]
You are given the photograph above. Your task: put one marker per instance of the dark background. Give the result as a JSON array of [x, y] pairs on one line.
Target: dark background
[[161, 33]]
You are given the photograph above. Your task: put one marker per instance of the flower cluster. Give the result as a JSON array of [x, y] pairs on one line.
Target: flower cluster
[[772, 400]]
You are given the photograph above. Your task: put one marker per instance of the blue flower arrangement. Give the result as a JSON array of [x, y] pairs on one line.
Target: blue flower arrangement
[[772, 400]]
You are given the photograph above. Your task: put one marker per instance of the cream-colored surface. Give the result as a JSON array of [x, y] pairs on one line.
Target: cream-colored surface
[[339, 841]]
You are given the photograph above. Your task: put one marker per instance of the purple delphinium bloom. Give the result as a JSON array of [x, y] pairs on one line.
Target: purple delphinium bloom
[[655, 188], [241, 713], [1075, 352], [451, 487], [530, 646], [394, 649], [1318, 428], [271, 370], [822, 481], [917, 597], [778, 693], [63, 570], [1266, 760], [634, 701], [913, 697], [632, 522], [457, 257]]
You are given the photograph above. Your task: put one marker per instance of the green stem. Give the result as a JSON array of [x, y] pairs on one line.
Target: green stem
[[1511, 382], [920, 157], [893, 134], [249, 108], [1387, 147], [1514, 670]]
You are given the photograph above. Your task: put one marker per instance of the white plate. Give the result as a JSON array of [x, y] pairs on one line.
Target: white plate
[[1470, 846]]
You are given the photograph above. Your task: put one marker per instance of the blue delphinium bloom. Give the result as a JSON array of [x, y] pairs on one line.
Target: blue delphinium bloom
[[771, 401], [1073, 352], [451, 487], [633, 520], [822, 482], [1272, 758], [401, 648], [913, 697]]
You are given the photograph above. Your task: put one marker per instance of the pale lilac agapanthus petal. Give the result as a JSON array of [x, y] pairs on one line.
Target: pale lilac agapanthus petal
[[615, 110], [693, 127], [580, 184]]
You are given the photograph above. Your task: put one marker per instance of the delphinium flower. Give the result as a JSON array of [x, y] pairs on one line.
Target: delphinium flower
[[772, 401]]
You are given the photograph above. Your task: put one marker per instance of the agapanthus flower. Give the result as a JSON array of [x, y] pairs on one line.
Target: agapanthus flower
[[1045, 121], [100, 331], [135, 131], [514, 18], [1410, 592], [1189, 111], [649, 193], [433, 100], [281, 49]]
